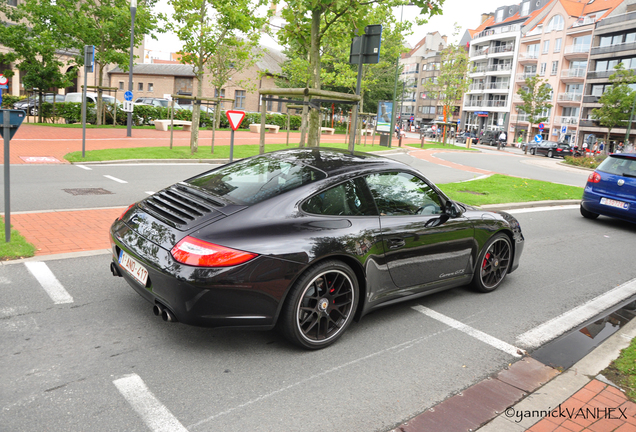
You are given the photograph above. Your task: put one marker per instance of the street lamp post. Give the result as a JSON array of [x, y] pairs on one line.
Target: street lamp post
[[133, 11], [397, 68]]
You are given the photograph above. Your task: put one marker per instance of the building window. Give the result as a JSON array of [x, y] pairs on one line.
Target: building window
[[12, 2], [543, 68], [499, 16], [140, 87], [525, 8], [216, 93], [121, 85], [555, 67], [151, 87], [557, 45], [546, 47], [556, 23], [239, 99]]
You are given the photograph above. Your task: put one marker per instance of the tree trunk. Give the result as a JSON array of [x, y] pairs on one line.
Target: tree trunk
[[314, 114], [196, 109]]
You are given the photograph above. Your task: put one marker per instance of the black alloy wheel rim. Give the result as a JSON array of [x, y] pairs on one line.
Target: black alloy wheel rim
[[325, 306], [495, 264]]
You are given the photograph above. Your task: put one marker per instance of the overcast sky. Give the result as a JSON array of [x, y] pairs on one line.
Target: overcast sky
[[466, 13]]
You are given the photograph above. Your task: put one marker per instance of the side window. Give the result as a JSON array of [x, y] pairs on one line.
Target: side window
[[399, 194], [346, 199]]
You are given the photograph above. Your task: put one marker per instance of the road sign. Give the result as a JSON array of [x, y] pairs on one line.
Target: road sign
[[541, 126], [128, 106], [3, 80], [235, 118], [538, 139], [458, 122], [564, 129], [434, 127], [128, 95]]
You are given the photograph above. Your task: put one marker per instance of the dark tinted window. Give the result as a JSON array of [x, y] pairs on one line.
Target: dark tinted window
[[618, 165], [398, 194], [347, 199], [253, 180]]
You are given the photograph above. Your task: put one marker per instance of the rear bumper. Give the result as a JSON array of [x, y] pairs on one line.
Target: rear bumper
[[248, 295], [591, 202]]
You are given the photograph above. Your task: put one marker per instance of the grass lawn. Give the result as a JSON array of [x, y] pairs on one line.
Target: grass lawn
[[183, 152], [622, 371], [498, 189], [18, 247]]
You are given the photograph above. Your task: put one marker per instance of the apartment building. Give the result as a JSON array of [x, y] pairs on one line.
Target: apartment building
[[614, 41], [555, 45], [420, 67], [493, 53]]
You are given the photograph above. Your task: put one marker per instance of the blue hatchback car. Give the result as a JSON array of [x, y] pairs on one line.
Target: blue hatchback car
[[611, 189]]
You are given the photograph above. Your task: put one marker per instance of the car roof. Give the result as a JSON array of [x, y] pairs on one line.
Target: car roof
[[334, 161]]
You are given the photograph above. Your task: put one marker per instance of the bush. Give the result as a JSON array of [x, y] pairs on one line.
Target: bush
[[585, 161], [9, 100]]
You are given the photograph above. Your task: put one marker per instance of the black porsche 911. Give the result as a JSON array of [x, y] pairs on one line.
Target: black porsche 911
[[306, 239]]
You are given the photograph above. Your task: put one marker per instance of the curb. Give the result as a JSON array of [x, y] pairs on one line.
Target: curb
[[530, 204]]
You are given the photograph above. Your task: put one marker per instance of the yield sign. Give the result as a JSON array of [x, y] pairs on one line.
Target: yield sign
[[235, 118]]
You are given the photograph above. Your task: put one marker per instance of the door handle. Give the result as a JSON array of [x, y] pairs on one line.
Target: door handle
[[396, 243]]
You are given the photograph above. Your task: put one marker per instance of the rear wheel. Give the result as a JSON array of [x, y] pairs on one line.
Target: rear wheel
[[493, 264], [550, 154], [34, 111], [320, 305], [588, 214]]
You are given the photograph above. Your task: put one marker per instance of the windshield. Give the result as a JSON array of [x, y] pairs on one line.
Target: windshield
[[253, 180], [618, 165]]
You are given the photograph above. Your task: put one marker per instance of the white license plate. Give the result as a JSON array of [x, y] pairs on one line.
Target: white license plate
[[614, 203], [133, 267]]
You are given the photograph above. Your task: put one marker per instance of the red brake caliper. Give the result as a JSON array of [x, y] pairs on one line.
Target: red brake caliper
[[486, 258]]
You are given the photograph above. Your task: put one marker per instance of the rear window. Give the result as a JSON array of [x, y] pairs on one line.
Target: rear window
[[253, 180], [618, 165]]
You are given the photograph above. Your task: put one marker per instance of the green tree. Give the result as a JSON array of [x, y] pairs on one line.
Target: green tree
[[535, 97], [231, 57], [102, 23], [452, 81], [205, 25], [616, 102], [311, 22], [34, 45]]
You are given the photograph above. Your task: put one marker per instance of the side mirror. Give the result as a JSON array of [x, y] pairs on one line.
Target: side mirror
[[451, 209]]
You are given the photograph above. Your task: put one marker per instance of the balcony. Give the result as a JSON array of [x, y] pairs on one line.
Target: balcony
[[519, 118], [564, 120], [476, 87], [529, 57], [474, 103], [573, 52], [589, 123], [503, 49], [501, 86], [573, 75], [523, 76], [591, 99], [600, 74], [583, 21], [497, 31], [625, 46], [569, 98], [505, 68], [479, 52], [479, 70], [495, 103]]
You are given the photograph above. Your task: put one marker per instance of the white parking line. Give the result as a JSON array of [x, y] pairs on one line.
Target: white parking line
[[116, 179], [150, 192], [49, 282], [542, 209], [568, 320], [84, 167], [156, 416], [477, 334]]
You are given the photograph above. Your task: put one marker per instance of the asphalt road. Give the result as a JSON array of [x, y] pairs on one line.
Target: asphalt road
[[60, 363], [100, 360]]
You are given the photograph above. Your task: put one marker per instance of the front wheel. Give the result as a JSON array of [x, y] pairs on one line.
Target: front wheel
[[533, 151], [588, 214], [320, 305], [493, 264]]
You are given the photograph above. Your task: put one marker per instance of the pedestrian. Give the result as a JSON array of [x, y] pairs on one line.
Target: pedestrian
[[519, 141], [601, 147], [502, 140], [620, 147]]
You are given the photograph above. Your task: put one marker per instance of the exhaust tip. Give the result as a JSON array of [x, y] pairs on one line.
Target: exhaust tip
[[156, 309], [168, 316], [114, 270]]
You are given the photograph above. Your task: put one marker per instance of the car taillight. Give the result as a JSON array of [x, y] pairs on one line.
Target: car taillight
[[195, 252], [594, 178], [558, 149], [125, 211]]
